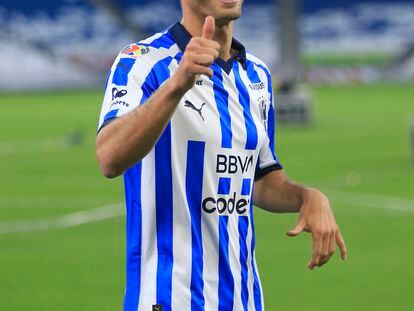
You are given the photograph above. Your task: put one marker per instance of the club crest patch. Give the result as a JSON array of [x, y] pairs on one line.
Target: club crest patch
[[263, 110], [134, 50]]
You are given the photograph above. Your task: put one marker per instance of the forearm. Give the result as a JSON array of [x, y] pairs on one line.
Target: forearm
[[276, 193], [126, 140]]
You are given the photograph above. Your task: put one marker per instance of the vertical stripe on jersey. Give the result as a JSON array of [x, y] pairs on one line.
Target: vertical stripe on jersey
[[226, 280], [246, 185], [224, 185], [154, 79], [163, 191], [244, 99], [270, 114], [132, 180], [271, 130], [257, 295], [221, 97], [243, 229], [164, 218], [122, 70], [194, 192], [158, 74]]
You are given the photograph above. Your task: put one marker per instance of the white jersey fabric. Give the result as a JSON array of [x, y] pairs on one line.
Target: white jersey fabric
[[190, 228]]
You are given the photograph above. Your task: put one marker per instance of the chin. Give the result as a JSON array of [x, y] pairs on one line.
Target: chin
[[222, 19], [226, 11]]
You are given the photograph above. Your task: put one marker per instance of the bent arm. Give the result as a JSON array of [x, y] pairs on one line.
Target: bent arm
[[275, 193], [126, 140]]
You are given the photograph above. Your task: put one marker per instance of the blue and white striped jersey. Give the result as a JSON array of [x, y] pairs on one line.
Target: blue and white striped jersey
[[190, 228]]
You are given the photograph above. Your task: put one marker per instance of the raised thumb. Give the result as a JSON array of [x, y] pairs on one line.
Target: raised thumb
[[208, 28]]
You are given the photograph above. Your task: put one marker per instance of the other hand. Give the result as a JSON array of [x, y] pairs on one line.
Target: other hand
[[316, 217]]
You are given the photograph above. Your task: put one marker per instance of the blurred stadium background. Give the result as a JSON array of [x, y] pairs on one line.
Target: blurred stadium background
[[349, 65]]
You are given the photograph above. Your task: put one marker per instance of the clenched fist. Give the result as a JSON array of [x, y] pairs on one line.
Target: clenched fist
[[200, 54]]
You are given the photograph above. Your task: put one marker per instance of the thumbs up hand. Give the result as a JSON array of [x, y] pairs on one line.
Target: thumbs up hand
[[200, 54]]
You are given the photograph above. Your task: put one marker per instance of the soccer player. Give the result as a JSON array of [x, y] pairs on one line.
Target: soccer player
[[188, 118]]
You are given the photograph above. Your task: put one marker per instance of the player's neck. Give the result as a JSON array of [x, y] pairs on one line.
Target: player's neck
[[223, 34]]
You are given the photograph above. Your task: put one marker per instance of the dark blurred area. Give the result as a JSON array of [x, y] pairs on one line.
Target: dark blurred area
[[71, 43]]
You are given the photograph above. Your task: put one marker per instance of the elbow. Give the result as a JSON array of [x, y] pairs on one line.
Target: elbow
[[107, 165], [109, 171]]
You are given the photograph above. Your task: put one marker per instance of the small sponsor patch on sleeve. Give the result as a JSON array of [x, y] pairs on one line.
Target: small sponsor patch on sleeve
[[116, 95], [157, 307], [135, 50]]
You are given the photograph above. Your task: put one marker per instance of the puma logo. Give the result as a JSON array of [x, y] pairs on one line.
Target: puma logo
[[191, 105], [118, 94]]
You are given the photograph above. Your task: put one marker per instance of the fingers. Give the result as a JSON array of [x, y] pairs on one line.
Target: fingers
[[317, 238], [196, 48], [332, 245], [201, 59], [341, 244], [203, 70], [324, 247], [300, 226], [205, 60], [338, 238], [193, 68], [328, 248], [325, 251], [328, 251], [200, 42], [208, 28], [328, 230], [201, 52]]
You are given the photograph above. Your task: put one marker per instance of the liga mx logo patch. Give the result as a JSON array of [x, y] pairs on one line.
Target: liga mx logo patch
[[134, 50]]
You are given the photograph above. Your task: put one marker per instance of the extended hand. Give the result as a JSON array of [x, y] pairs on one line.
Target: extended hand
[[200, 54], [316, 217]]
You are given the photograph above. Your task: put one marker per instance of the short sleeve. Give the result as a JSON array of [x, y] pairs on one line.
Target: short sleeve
[[268, 161], [124, 83]]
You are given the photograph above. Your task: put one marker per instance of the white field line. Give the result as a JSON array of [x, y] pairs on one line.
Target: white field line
[[366, 200], [47, 145], [35, 202], [63, 221], [42, 145], [370, 200]]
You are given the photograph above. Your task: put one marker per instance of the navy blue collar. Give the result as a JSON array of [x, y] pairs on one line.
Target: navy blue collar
[[182, 37]]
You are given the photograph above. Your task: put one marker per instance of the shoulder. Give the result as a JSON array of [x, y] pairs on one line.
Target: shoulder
[[258, 63], [146, 53], [262, 70]]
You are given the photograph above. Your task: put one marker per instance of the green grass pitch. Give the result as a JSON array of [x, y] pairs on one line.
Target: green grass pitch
[[357, 151]]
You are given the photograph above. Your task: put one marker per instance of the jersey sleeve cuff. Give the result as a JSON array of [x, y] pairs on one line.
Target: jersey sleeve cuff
[[266, 170], [105, 123]]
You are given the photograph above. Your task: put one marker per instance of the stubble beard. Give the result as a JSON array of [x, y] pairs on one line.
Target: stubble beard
[[222, 16]]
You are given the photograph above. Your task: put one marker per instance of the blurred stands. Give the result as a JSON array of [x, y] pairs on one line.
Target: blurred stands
[[71, 43]]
